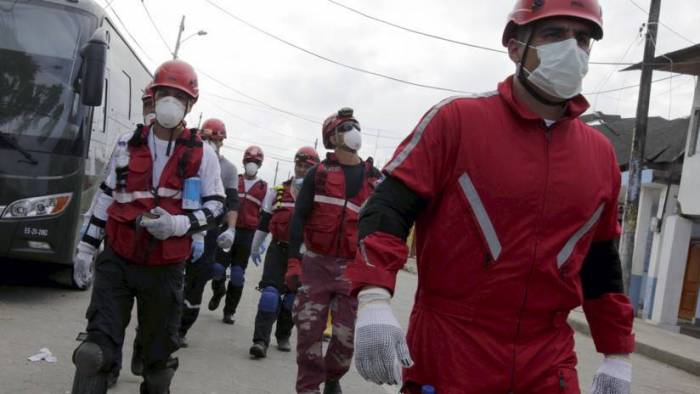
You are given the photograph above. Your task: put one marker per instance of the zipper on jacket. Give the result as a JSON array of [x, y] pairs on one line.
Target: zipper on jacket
[[547, 141]]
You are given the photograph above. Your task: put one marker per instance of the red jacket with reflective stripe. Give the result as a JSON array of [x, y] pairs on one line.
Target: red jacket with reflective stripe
[[250, 203], [131, 241], [331, 228], [512, 209], [282, 212]]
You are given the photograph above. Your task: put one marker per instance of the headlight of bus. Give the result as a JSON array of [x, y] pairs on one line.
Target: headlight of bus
[[37, 206]]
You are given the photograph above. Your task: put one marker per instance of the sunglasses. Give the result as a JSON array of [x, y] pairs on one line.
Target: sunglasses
[[347, 126]]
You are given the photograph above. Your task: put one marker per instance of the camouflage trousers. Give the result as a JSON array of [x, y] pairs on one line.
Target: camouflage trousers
[[324, 287]]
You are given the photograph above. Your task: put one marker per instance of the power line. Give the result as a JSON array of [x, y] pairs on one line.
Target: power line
[[629, 87], [270, 156], [327, 59], [306, 118], [153, 23], [121, 22], [663, 24], [441, 38]]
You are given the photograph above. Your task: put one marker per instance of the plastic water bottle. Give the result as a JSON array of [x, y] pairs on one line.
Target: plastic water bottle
[[427, 389], [192, 194]]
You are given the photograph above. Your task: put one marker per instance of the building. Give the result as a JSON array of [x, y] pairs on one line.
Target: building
[[666, 260]]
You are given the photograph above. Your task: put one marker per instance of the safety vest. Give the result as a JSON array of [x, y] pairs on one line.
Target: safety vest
[[282, 212], [135, 195], [331, 228], [250, 203]]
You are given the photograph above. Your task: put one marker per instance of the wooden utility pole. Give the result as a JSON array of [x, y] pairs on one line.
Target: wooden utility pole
[[316, 144], [636, 162]]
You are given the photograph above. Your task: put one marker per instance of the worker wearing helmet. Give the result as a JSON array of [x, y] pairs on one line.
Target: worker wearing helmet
[[276, 301], [510, 235], [204, 266], [325, 221], [147, 209], [251, 192]]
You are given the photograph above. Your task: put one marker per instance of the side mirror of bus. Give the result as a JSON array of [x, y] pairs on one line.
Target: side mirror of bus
[[94, 54]]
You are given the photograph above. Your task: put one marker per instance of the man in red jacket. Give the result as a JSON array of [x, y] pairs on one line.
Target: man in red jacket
[[514, 200], [148, 207]]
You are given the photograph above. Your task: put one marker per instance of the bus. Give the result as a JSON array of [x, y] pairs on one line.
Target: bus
[[69, 86]]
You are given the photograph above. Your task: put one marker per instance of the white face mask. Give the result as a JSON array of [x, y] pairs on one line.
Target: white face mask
[[169, 112], [352, 139], [251, 168], [562, 67], [149, 118]]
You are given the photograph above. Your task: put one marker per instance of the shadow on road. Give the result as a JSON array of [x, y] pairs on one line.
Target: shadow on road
[[22, 281]]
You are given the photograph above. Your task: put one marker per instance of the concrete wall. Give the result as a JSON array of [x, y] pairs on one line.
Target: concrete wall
[[673, 257], [689, 196], [648, 201]]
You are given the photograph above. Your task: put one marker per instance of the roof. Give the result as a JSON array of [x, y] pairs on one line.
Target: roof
[[683, 61], [665, 144]]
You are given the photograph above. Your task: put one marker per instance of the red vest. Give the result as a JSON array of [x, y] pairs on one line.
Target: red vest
[[133, 242], [251, 202], [282, 212], [331, 228]]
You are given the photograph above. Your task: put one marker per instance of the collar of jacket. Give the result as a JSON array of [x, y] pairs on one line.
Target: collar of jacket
[[575, 107]]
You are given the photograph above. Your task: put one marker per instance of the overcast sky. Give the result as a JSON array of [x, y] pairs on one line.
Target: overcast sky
[[294, 81]]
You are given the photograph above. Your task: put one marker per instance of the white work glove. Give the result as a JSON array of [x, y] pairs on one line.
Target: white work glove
[[257, 248], [225, 239], [164, 226], [82, 264], [197, 247], [613, 377], [380, 343]]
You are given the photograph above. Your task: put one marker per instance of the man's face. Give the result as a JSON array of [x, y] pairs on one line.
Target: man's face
[[301, 168], [550, 31], [181, 96], [149, 106]]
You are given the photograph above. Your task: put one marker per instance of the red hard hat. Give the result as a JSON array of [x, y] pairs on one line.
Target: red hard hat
[[179, 75], [528, 11], [307, 154], [253, 153], [148, 92], [213, 129], [343, 115]]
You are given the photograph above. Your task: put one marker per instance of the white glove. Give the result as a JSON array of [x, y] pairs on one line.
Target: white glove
[[197, 247], [613, 377], [82, 264], [164, 226], [225, 239], [380, 343], [257, 248]]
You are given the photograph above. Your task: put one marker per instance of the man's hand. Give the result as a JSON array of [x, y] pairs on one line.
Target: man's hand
[[293, 276], [256, 256], [225, 239], [613, 377], [162, 226], [82, 264], [197, 249], [380, 343]]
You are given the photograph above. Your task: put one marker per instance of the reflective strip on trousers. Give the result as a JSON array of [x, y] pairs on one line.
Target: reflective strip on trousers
[[481, 215], [127, 197], [337, 201], [568, 248]]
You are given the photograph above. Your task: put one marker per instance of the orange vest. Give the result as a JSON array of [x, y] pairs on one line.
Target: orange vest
[[251, 202], [282, 212]]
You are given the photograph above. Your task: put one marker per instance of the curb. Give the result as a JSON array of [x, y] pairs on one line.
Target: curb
[[652, 352]]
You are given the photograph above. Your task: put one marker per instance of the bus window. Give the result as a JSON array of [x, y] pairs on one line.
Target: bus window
[[128, 80]]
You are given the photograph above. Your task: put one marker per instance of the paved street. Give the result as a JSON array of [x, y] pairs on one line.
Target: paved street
[[36, 314]]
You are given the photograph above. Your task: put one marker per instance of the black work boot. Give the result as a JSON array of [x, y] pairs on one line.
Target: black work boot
[[183, 341], [332, 387], [228, 318], [258, 350], [283, 345], [215, 301], [137, 360]]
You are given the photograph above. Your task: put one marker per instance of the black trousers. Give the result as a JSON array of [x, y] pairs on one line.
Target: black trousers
[[274, 268], [197, 274], [158, 291], [237, 256]]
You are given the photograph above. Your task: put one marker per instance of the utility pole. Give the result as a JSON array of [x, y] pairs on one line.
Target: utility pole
[[199, 123], [316, 144], [179, 36], [277, 167], [636, 162]]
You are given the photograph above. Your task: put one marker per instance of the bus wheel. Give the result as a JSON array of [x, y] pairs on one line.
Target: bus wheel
[[64, 277]]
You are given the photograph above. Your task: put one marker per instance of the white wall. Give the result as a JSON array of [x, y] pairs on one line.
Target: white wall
[[689, 195]]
